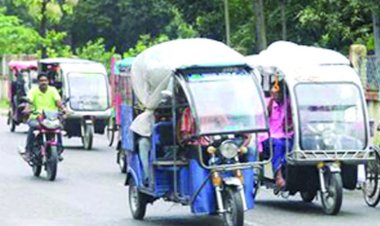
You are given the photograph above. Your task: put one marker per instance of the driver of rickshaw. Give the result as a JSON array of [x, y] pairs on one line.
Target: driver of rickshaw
[[42, 98], [281, 130]]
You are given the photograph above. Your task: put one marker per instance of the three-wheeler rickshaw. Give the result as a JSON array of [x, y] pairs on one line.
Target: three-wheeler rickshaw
[[329, 120], [83, 84], [209, 169], [22, 77], [121, 92]]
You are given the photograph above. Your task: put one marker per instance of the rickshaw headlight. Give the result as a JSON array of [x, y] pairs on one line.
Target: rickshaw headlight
[[228, 149]]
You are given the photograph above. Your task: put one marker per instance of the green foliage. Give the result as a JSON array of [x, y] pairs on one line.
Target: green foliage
[[95, 50], [4, 104], [144, 42], [16, 38], [55, 45]]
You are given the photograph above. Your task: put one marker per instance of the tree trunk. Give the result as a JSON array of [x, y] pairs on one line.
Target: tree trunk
[[376, 33], [43, 25], [283, 18], [261, 39]]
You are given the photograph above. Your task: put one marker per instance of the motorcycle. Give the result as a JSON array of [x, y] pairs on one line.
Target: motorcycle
[[47, 146]]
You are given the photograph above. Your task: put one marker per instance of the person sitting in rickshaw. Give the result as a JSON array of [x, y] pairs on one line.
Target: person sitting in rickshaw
[[281, 134], [42, 98]]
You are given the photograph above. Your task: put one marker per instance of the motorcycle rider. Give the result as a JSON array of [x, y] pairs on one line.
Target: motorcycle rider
[[41, 98]]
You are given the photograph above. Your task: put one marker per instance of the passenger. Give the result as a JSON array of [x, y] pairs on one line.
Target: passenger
[[278, 108]]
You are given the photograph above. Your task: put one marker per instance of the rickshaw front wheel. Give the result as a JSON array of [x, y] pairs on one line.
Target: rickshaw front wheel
[[88, 136], [122, 161], [137, 201], [371, 188], [233, 205], [332, 198], [308, 196]]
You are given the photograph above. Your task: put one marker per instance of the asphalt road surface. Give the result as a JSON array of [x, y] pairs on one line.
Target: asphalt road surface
[[89, 191]]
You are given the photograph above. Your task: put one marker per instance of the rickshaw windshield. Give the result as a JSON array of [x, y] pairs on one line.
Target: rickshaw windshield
[[335, 116], [227, 102], [88, 91]]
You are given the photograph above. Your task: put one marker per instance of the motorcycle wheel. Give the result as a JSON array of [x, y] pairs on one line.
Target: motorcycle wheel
[[233, 205], [371, 188], [137, 201], [52, 164], [88, 136], [332, 199]]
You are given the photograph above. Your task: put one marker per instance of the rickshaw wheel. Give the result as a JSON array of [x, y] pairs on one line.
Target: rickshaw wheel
[[11, 122], [121, 161], [137, 201], [233, 204], [332, 199], [36, 170], [87, 137], [111, 130], [371, 189], [308, 196]]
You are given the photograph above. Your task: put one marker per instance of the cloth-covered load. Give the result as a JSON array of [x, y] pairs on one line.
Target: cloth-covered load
[[153, 69]]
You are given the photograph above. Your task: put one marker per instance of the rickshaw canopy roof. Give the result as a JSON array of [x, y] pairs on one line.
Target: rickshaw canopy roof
[[300, 63], [126, 62], [68, 65], [22, 65], [153, 68]]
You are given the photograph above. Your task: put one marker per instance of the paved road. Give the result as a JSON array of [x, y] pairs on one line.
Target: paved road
[[89, 191]]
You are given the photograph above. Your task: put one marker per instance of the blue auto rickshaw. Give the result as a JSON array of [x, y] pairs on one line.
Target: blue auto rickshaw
[[213, 81]]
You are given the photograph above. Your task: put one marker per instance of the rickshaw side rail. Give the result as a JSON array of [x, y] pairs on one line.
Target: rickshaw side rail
[[347, 156]]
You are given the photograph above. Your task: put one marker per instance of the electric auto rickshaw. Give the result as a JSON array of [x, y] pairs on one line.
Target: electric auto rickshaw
[[210, 169], [84, 85], [121, 92], [23, 76], [329, 131]]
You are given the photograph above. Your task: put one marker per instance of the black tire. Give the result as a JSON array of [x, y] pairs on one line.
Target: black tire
[[233, 205], [308, 196], [332, 199], [137, 201], [37, 170], [111, 130], [121, 161], [52, 164], [88, 136], [371, 188]]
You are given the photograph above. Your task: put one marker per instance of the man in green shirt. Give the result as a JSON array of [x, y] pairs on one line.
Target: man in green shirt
[[42, 98]]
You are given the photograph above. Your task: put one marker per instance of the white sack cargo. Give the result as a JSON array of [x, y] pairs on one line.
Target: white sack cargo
[[153, 69]]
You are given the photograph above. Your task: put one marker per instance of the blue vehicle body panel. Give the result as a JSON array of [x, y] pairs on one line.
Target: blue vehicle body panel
[[189, 178], [126, 134]]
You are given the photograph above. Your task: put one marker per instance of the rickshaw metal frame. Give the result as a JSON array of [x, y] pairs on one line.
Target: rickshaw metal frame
[[298, 156]]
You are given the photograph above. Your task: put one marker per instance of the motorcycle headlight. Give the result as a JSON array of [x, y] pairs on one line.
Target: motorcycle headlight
[[51, 124], [228, 149]]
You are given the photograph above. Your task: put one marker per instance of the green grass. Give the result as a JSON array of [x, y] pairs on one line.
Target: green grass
[[4, 104]]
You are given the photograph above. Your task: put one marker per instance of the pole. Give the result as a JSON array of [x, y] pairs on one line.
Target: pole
[[227, 21]]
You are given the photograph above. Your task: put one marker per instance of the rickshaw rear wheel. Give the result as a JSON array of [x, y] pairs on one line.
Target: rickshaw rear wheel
[[308, 196], [332, 199], [111, 130], [88, 136], [137, 201], [11, 122], [121, 161], [371, 188], [233, 205]]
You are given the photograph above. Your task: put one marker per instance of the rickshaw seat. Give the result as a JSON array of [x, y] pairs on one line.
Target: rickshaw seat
[[162, 136]]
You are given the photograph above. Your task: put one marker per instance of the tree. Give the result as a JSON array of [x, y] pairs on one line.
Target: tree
[[47, 11], [261, 39], [15, 37]]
